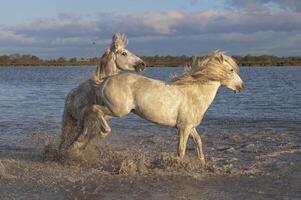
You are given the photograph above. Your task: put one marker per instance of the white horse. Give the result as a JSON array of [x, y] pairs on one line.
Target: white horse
[[181, 103], [79, 102]]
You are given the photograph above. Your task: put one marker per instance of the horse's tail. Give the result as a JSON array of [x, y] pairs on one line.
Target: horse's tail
[[68, 129]]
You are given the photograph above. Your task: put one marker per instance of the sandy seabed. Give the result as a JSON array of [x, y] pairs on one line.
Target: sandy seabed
[[239, 166]]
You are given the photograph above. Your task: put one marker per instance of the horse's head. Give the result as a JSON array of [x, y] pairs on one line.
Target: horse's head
[[124, 59], [117, 59], [217, 67], [231, 79]]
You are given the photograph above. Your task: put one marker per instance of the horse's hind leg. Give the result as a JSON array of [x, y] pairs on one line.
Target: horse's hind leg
[[198, 142], [69, 131], [93, 124]]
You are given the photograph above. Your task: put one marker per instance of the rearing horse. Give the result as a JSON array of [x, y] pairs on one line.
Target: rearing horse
[[80, 100], [181, 103]]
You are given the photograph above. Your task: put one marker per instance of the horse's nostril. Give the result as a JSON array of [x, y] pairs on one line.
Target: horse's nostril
[[239, 88], [140, 66]]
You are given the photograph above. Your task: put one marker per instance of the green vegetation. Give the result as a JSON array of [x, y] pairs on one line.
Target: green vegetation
[[167, 61], [264, 60], [31, 60]]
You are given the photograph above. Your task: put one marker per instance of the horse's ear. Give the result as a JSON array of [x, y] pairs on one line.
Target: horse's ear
[[187, 68], [222, 58], [119, 40], [198, 61], [193, 60], [221, 55]]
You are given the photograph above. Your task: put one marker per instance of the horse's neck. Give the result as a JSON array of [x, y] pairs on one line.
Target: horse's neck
[[110, 71], [107, 69], [203, 94], [209, 91]]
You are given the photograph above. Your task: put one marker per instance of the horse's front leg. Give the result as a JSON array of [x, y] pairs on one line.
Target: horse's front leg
[[93, 124], [183, 137], [198, 142]]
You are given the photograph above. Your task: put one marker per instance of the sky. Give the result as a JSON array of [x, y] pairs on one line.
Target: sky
[[77, 28]]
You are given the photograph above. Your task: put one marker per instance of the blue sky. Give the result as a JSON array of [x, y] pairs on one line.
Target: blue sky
[[166, 27], [18, 11]]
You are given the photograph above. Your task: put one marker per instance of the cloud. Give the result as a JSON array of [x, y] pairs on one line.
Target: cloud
[[294, 5], [10, 37], [239, 31], [63, 25], [163, 22]]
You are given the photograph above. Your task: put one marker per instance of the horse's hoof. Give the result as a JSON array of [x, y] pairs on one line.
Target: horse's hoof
[[202, 160], [105, 130], [103, 134]]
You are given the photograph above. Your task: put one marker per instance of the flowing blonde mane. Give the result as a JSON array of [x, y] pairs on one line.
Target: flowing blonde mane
[[212, 67]]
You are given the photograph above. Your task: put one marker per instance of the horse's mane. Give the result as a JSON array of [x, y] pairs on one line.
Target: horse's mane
[[211, 67], [100, 72], [104, 68], [119, 40]]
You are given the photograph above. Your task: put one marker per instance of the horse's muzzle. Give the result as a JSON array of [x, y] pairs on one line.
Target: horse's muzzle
[[239, 88], [140, 66]]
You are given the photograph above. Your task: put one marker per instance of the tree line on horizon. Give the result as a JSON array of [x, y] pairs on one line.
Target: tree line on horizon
[[155, 61]]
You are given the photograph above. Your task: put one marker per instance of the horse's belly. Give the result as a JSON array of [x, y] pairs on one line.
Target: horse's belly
[[158, 103], [158, 117], [158, 111]]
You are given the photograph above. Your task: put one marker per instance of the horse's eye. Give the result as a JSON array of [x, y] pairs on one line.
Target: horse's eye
[[232, 70], [124, 53]]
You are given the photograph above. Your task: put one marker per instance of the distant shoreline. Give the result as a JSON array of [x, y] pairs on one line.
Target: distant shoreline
[[152, 61]]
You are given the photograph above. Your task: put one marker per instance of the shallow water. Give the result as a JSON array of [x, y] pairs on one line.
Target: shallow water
[[32, 100], [252, 142]]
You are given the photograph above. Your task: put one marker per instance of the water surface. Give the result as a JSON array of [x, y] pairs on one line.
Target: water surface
[[32, 100], [252, 142]]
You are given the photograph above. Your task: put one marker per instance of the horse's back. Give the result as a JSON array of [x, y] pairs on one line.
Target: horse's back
[[128, 84]]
